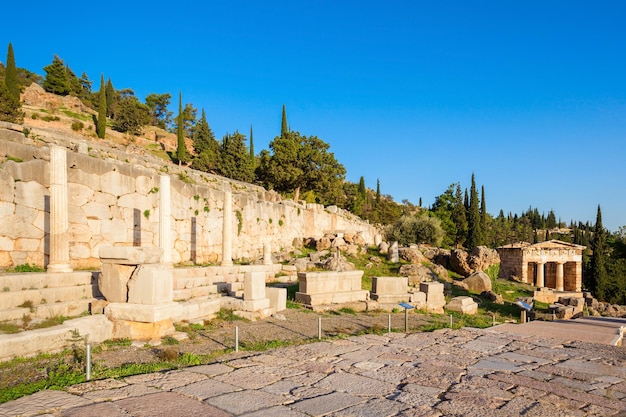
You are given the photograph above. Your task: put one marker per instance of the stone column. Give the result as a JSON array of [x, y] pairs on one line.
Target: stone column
[[540, 274], [559, 276], [579, 276], [165, 218], [59, 260], [227, 233]]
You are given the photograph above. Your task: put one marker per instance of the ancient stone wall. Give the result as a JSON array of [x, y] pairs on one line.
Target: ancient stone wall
[[115, 202]]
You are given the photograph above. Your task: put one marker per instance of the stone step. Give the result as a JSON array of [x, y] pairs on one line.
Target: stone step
[[13, 299], [24, 281], [73, 308], [183, 283], [55, 338], [189, 293], [204, 308]]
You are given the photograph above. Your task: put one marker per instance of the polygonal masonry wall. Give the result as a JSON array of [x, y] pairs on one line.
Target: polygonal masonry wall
[[113, 203]]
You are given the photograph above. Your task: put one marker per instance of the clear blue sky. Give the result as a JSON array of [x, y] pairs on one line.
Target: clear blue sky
[[530, 96]]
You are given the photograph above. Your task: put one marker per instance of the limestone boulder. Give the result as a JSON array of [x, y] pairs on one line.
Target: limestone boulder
[[482, 258], [459, 262], [441, 257], [323, 243], [492, 296], [417, 273], [383, 248], [478, 282], [411, 254]]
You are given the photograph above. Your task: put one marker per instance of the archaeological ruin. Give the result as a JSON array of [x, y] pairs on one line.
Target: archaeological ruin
[[552, 264]]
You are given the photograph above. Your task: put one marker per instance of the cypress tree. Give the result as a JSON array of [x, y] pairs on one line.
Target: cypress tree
[[483, 216], [180, 150], [10, 79], [283, 127], [377, 190], [111, 99], [473, 218], [599, 277], [102, 110], [252, 159]]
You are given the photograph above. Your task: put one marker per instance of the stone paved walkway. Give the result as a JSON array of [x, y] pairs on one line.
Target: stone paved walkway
[[467, 372]]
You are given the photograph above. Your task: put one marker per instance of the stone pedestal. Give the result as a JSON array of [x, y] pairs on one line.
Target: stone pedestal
[[140, 291], [332, 287], [390, 290], [435, 299]]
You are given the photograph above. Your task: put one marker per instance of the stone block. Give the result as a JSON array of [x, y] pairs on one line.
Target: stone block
[[151, 284], [141, 312], [431, 288], [390, 285], [128, 255], [124, 329], [277, 297], [465, 305], [113, 281], [254, 286], [417, 297], [196, 309], [256, 305]]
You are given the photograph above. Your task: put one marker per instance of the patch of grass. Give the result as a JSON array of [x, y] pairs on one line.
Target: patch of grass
[[14, 159], [7, 327], [80, 116], [169, 340], [260, 346], [49, 322], [229, 315], [370, 269], [50, 118], [185, 178], [292, 304], [347, 310], [26, 268], [28, 304]]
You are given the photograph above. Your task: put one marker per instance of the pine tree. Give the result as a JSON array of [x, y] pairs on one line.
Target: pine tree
[[599, 277], [56, 81], [235, 158], [459, 216], [10, 78], [473, 219], [207, 148], [102, 110], [283, 127], [180, 150]]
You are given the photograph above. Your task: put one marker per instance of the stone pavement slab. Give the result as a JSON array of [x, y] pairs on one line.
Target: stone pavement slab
[[466, 372], [167, 404], [41, 402]]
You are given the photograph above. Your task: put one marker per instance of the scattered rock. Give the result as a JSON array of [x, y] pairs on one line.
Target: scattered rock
[[478, 282], [492, 296], [412, 255]]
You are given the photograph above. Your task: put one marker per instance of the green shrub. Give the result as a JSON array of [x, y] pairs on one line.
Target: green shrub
[[416, 229], [77, 125]]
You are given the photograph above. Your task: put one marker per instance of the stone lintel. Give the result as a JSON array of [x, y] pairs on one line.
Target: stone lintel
[[128, 255]]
